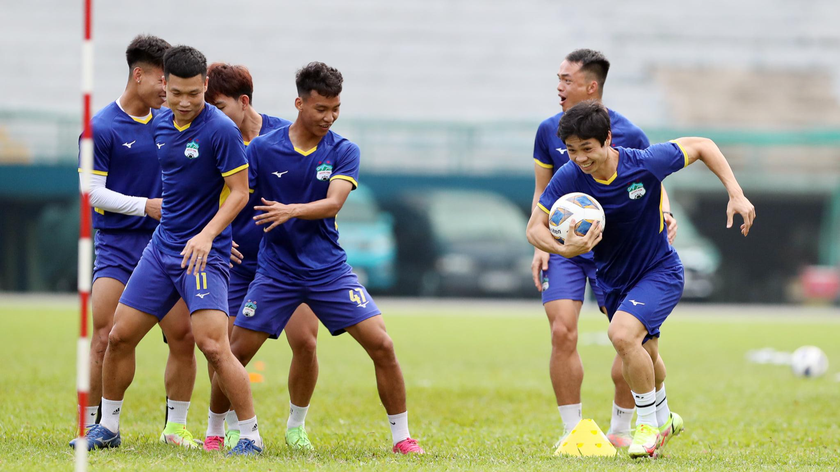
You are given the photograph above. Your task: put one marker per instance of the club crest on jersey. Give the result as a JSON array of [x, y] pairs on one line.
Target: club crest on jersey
[[323, 171], [192, 149], [249, 309], [637, 190]]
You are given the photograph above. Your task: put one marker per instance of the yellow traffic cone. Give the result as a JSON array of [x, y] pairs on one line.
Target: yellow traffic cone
[[586, 439]]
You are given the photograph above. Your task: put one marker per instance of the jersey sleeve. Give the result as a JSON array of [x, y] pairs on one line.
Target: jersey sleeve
[[102, 141], [559, 185], [230, 150], [541, 151], [347, 164], [664, 159]]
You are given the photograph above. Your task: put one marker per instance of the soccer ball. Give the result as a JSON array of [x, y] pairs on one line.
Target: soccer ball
[[584, 209], [809, 361]]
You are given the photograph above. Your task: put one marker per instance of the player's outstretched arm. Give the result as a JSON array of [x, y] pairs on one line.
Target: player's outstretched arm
[[540, 237], [196, 251], [275, 213], [706, 150]]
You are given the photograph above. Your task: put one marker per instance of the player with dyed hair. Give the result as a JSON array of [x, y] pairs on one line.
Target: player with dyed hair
[[640, 274], [125, 194], [230, 88], [200, 152], [562, 281], [304, 174]]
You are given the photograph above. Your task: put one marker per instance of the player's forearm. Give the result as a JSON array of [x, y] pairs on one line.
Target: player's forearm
[[540, 237], [108, 200], [234, 203], [710, 154], [317, 210]]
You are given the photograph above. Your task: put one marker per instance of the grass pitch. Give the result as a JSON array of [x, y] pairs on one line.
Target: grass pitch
[[478, 389]]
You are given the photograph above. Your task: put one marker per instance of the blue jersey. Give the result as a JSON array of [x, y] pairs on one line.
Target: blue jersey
[[634, 240], [301, 250], [550, 151], [245, 232], [194, 161], [124, 152]]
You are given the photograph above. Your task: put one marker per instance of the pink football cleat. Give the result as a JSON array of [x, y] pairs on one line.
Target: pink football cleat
[[214, 443], [408, 446]]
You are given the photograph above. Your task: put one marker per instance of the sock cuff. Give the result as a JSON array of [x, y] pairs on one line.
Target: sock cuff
[[623, 410], [398, 416], [172, 402]]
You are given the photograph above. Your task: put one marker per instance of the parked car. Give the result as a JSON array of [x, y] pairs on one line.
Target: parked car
[[367, 235], [461, 243], [699, 256]]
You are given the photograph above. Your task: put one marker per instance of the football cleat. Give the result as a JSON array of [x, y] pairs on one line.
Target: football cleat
[[620, 440], [214, 443], [100, 437], [245, 447], [297, 439], [408, 446], [645, 442], [673, 427], [179, 435], [232, 438]]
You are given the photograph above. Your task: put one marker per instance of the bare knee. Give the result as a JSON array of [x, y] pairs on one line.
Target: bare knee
[[212, 349], [621, 339], [99, 342], [304, 348], [117, 342], [564, 337], [382, 350]]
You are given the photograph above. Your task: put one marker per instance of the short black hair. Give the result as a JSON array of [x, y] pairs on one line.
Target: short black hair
[[146, 49], [319, 77], [592, 63], [585, 120], [184, 62]]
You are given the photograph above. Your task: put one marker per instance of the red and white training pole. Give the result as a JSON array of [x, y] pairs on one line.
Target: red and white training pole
[[85, 245]]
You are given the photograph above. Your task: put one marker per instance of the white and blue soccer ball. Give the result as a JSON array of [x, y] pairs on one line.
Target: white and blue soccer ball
[[577, 206], [809, 361]]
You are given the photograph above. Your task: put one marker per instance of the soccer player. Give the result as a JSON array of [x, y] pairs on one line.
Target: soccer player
[[200, 152], [125, 194], [230, 88], [639, 272], [563, 281], [304, 173]]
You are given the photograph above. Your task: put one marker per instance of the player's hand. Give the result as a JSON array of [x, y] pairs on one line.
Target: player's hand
[[235, 255], [576, 245], [540, 263], [740, 205], [671, 224], [195, 253], [274, 213], [153, 207]]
